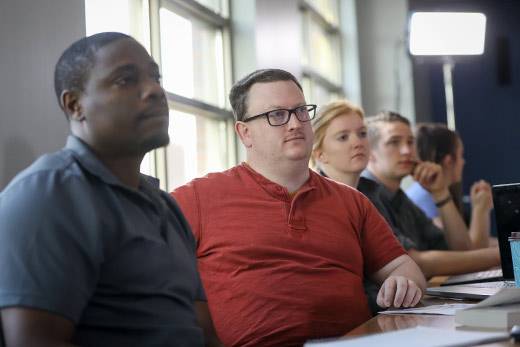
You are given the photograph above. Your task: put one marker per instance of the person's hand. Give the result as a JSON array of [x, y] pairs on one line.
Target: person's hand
[[398, 291], [481, 196], [430, 176]]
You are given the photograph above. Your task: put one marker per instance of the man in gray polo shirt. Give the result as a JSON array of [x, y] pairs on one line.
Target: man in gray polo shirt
[[91, 251]]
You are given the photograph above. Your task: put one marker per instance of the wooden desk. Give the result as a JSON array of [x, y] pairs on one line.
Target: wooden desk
[[383, 323]]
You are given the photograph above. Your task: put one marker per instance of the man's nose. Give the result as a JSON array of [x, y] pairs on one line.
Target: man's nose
[[293, 122], [152, 89], [406, 149]]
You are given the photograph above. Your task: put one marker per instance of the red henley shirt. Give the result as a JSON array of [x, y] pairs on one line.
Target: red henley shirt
[[279, 271]]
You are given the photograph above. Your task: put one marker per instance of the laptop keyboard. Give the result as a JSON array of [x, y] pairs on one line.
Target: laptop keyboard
[[474, 277], [497, 284], [489, 273]]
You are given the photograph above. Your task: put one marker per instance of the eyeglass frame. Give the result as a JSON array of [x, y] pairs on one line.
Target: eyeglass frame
[[291, 111]]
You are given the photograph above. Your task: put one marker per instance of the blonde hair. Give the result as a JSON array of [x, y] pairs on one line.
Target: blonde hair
[[326, 115]]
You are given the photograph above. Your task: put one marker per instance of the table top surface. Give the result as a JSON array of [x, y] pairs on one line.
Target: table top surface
[[384, 323]]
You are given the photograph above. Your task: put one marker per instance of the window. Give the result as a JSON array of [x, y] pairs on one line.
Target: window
[[192, 56], [190, 41], [126, 16], [328, 9], [196, 146], [322, 50]]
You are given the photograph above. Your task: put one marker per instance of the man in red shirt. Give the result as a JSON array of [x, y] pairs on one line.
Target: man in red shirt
[[282, 251]]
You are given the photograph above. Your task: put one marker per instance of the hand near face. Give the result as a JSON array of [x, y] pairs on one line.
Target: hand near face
[[398, 291], [481, 196], [430, 176]]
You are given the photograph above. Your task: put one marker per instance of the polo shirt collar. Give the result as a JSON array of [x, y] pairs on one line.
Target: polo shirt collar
[[92, 164], [382, 189]]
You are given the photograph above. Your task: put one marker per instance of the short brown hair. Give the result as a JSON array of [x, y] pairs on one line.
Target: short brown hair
[[240, 90], [326, 115], [373, 123]]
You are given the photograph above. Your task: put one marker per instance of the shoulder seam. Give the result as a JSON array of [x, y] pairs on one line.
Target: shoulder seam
[[37, 172]]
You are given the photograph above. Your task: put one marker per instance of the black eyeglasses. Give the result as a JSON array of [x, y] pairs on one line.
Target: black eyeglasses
[[282, 116]]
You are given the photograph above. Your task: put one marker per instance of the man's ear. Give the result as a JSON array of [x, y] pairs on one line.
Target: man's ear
[[447, 161], [244, 133], [70, 103]]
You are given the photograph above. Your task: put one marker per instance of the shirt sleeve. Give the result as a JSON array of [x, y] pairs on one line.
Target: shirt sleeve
[[374, 196], [432, 236], [187, 199], [428, 207], [200, 294], [423, 199], [379, 244], [49, 253], [404, 240]]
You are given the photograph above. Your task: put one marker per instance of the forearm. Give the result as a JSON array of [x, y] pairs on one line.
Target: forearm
[[435, 263], [479, 228], [33, 327], [401, 266], [402, 283]]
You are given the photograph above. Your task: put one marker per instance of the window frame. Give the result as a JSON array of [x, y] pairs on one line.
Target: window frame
[[193, 9], [311, 13]]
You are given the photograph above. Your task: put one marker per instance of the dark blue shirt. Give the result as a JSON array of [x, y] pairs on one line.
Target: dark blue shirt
[[118, 262]]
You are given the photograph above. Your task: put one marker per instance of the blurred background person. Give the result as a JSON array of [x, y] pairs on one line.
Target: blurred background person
[[436, 143]]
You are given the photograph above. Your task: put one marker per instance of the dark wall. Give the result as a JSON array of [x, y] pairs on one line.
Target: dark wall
[[486, 91]]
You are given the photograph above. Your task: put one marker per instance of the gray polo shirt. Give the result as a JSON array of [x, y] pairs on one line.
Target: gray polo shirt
[[119, 263], [411, 226]]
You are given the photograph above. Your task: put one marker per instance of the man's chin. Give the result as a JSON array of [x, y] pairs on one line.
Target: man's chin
[[401, 175], [298, 153], [299, 156], [357, 167], [155, 142]]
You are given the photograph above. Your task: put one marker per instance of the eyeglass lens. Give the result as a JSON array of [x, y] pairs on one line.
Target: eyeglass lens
[[280, 117]]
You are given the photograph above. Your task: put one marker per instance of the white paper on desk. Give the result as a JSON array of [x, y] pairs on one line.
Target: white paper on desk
[[445, 309], [418, 336]]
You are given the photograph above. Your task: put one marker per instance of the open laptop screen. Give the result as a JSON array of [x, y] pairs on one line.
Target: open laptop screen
[[506, 201]]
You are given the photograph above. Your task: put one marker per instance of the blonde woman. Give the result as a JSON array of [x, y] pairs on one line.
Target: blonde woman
[[341, 152], [341, 149], [339, 128]]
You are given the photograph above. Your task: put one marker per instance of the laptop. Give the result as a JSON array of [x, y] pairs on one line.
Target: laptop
[[480, 285]]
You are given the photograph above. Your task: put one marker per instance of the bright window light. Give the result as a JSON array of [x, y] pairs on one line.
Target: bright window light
[[177, 53], [100, 16], [183, 147], [447, 33]]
